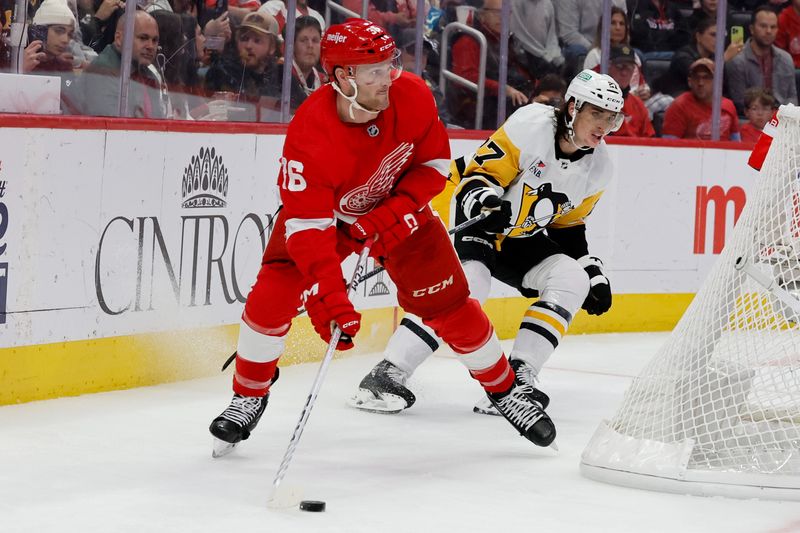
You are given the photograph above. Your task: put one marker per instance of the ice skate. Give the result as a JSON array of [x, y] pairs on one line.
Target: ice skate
[[526, 415], [526, 376], [383, 390], [236, 422]]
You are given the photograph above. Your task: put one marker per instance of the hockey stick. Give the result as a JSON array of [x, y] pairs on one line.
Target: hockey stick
[[768, 283], [288, 498], [376, 271]]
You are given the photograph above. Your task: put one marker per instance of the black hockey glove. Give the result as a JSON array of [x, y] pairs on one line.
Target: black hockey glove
[[475, 197], [598, 301]]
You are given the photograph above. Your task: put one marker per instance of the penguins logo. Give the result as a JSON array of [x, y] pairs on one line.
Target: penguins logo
[[539, 207]]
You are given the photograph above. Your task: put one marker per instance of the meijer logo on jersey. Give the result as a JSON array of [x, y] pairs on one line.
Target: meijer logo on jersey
[[188, 260]]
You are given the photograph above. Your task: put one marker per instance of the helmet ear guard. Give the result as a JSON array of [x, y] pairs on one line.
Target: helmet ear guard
[[597, 89]]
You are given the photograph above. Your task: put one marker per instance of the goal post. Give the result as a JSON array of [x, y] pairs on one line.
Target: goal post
[[717, 410]]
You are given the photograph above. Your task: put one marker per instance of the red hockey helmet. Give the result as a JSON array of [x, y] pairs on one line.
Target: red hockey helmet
[[356, 42]]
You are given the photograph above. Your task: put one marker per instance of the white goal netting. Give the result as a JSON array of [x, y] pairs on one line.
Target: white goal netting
[[717, 410]]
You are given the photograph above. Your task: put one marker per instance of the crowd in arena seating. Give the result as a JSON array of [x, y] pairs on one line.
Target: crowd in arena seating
[[224, 59]]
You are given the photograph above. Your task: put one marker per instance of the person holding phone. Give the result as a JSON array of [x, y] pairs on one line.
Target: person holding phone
[[49, 39], [762, 64], [48, 52], [674, 81]]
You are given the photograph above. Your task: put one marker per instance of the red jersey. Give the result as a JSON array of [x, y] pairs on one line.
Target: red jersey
[[788, 36], [750, 133], [333, 170], [637, 121], [687, 118]]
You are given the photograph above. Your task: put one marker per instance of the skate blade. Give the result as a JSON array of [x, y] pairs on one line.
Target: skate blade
[[485, 407], [222, 448], [554, 446], [366, 400]]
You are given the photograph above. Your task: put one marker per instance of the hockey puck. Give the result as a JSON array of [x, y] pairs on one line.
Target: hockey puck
[[312, 506]]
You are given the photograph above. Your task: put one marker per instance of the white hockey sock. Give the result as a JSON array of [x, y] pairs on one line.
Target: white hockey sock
[[411, 344], [259, 347], [562, 285], [540, 332]]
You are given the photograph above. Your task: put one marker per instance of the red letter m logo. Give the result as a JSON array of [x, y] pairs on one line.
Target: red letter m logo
[[720, 198]]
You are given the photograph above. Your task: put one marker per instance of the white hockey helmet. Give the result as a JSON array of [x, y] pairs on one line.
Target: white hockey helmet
[[597, 89]]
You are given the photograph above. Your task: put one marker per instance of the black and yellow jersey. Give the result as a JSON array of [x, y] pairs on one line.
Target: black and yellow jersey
[[521, 162]]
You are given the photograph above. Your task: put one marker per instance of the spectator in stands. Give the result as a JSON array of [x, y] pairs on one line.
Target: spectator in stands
[[619, 36], [98, 87], [277, 8], [306, 78], [706, 10], [177, 61], [249, 69], [394, 15], [762, 64], [550, 90], [689, 116], [621, 67], [533, 23], [82, 54], [788, 37], [99, 23], [577, 22], [52, 56], [704, 38], [657, 28], [461, 102], [759, 107], [406, 44]]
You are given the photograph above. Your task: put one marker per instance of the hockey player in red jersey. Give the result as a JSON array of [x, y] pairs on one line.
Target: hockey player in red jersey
[[363, 156]]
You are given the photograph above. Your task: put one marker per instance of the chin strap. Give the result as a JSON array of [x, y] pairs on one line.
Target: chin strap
[[352, 99], [571, 131]]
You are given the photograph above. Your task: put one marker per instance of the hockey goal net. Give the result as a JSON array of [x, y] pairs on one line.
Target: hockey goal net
[[717, 410]]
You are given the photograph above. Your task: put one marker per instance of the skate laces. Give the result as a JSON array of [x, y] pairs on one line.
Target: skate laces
[[525, 373], [243, 409], [394, 373], [519, 409]]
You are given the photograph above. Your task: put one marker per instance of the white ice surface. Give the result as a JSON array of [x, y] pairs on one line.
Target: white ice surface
[[140, 461]]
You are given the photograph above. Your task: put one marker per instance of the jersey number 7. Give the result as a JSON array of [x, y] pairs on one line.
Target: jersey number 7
[[494, 152]]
